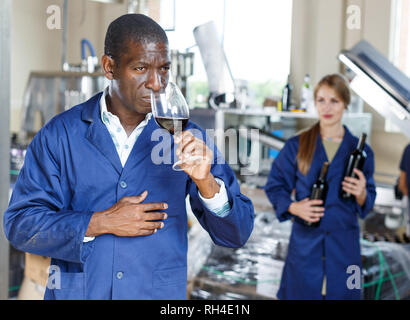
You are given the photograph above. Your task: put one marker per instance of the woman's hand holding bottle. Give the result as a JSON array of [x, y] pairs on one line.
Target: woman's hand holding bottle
[[308, 210], [356, 186]]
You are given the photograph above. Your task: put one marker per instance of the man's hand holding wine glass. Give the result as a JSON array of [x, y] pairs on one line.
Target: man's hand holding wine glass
[[198, 168], [171, 112]]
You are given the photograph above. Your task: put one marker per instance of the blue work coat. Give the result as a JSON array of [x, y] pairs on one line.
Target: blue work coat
[[71, 170], [335, 245]]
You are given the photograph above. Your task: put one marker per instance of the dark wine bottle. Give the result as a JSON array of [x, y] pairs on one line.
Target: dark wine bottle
[[171, 124], [319, 190], [356, 161], [287, 96]]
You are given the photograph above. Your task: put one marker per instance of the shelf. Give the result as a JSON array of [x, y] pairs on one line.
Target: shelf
[[273, 113]]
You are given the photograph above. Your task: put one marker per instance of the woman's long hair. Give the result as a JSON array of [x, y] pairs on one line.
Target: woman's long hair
[[308, 139]]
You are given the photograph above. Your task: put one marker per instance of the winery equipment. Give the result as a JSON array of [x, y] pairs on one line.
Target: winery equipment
[[246, 140], [220, 80], [50, 93], [182, 67], [254, 271], [386, 89], [379, 83], [88, 64]]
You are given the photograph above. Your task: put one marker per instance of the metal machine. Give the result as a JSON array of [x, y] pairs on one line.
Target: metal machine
[[220, 80], [381, 85], [386, 89], [49, 93], [182, 67]]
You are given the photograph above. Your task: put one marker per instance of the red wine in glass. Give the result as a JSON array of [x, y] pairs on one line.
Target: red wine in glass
[[172, 124], [171, 112]]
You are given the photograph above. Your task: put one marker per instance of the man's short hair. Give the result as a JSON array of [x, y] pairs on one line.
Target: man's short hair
[[134, 28]]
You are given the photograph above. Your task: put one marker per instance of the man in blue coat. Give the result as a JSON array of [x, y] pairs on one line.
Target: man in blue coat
[[91, 197]]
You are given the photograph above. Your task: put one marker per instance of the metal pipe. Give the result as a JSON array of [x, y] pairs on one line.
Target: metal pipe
[[84, 43], [64, 63], [5, 57], [265, 138]]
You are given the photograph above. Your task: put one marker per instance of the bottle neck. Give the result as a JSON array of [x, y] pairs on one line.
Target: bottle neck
[[362, 142], [324, 171]]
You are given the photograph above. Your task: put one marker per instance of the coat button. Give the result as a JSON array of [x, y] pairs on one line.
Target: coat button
[[120, 275], [123, 184]]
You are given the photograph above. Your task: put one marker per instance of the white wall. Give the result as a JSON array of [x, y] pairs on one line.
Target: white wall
[[316, 39]]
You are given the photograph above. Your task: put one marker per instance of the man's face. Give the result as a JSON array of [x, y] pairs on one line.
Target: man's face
[[142, 68]]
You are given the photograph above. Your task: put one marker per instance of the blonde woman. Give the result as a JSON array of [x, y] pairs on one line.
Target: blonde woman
[[321, 259]]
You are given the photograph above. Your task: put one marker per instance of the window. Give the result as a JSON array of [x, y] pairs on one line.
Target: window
[[399, 44], [400, 49], [256, 36]]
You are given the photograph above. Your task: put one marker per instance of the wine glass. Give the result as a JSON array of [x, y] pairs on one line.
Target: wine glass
[[171, 112]]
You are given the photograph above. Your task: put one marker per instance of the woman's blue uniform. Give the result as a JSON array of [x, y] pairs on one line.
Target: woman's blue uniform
[[332, 247]]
